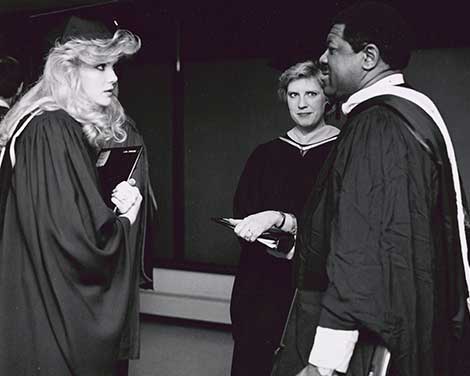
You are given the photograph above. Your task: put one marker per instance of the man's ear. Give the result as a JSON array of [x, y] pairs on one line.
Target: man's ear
[[371, 56]]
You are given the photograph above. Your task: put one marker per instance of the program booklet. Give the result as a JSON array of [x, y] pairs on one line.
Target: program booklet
[[115, 165], [273, 238]]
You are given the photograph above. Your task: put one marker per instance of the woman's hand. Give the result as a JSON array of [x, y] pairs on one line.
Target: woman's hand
[[251, 227], [127, 198]]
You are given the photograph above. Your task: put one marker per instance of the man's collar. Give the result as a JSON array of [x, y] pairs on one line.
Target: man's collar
[[3, 103], [371, 91]]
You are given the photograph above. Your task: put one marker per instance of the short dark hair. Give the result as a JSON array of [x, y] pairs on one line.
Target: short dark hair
[[380, 24], [305, 69], [11, 76]]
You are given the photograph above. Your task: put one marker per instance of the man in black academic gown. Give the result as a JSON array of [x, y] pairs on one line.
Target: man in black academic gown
[[382, 238]]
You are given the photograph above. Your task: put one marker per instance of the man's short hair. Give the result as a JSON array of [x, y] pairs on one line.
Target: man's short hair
[[305, 69], [379, 24], [11, 76]]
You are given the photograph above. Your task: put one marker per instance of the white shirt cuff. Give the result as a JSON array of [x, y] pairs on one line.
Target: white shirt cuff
[[274, 252], [291, 224], [333, 348], [291, 227], [290, 255]]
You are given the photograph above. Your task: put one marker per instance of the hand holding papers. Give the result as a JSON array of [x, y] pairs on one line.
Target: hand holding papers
[[273, 238]]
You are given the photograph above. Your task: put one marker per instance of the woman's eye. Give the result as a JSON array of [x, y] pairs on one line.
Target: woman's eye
[[311, 93], [292, 95], [101, 67]]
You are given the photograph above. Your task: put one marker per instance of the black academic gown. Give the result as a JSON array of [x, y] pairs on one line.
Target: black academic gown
[[378, 238], [276, 177], [67, 268]]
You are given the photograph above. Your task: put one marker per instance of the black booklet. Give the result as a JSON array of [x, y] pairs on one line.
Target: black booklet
[[115, 165], [272, 234], [273, 238]]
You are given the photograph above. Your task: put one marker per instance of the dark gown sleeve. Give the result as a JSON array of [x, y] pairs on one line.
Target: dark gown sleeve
[[69, 261], [381, 250]]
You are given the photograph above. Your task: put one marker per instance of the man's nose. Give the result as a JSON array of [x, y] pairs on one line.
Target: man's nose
[[323, 60]]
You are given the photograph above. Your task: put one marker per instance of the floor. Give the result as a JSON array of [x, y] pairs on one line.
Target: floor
[[179, 348]]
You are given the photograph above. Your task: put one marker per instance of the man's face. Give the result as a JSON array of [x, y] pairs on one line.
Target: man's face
[[344, 65], [306, 102]]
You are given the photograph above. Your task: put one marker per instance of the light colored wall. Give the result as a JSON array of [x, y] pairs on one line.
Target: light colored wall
[[189, 295]]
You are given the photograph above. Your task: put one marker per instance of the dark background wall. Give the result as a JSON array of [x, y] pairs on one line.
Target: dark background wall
[[444, 75], [230, 107], [202, 120]]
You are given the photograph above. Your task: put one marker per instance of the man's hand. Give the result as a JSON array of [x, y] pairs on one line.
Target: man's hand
[[251, 227], [311, 370]]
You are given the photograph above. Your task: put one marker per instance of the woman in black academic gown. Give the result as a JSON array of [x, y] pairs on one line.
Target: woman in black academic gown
[[67, 266], [272, 190]]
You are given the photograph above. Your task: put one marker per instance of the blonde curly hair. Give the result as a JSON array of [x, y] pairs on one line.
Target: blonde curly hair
[[60, 88]]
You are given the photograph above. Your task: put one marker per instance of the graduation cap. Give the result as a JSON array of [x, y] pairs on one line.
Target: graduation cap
[[81, 28]]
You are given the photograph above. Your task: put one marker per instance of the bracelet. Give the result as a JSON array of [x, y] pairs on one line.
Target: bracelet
[[283, 220]]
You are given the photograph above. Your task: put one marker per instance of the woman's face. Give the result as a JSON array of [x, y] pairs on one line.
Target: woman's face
[[98, 82], [306, 101]]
